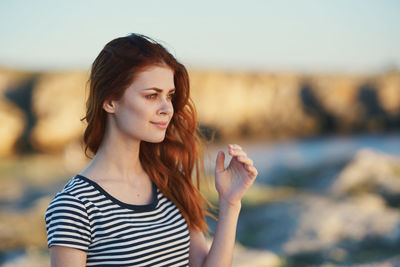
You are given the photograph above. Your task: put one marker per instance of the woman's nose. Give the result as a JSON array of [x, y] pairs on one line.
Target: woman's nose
[[166, 107]]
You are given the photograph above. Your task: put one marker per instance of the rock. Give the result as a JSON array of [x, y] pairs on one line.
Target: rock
[[11, 189], [12, 121], [31, 257], [59, 104], [12, 118], [389, 262], [243, 256], [310, 229], [250, 104], [325, 223], [373, 172], [16, 227], [389, 84], [338, 96], [10, 79], [269, 226]]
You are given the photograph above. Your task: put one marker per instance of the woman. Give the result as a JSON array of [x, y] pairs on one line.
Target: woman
[[135, 204]]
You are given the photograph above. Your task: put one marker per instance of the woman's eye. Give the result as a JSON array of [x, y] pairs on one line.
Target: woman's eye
[[152, 96]]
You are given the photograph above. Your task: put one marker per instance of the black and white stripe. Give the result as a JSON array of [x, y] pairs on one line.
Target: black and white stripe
[[113, 233]]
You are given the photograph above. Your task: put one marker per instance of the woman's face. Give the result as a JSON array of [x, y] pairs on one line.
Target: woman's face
[[145, 104]]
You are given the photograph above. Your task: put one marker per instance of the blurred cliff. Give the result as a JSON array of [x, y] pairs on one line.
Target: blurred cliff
[[41, 111]]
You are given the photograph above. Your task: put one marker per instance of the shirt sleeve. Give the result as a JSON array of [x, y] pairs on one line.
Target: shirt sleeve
[[67, 222]]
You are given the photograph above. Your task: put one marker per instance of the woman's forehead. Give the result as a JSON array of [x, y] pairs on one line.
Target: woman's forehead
[[154, 77]]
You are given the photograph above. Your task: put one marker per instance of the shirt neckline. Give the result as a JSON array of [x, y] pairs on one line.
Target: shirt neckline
[[146, 207]]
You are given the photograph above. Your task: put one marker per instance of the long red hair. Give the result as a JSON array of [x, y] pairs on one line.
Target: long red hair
[[170, 163]]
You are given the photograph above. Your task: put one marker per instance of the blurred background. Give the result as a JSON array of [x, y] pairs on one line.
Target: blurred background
[[309, 89]]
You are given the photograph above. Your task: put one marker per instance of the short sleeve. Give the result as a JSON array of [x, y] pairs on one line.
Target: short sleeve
[[67, 222]]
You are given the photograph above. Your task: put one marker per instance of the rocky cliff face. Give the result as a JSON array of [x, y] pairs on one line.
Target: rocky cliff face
[[354, 221], [43, 111], [246, 104], [59, 104]]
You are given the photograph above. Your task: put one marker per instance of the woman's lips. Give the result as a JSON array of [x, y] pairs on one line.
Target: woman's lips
[[162, 125]]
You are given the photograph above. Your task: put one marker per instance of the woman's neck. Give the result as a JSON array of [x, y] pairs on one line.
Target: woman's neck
[[116, 158]]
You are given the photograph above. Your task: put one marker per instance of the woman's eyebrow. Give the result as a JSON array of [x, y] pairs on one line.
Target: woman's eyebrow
[[158, 89]]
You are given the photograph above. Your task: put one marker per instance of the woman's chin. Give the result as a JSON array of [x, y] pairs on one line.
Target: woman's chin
[[155, 140]]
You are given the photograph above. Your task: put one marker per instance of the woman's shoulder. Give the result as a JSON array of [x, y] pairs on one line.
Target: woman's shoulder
[[72, 186], [67, 220], [69, 195]]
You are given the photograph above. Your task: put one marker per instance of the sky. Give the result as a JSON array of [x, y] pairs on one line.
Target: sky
[[347, 36]]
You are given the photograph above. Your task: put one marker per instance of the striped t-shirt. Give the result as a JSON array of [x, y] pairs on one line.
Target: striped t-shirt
[[113, 233]]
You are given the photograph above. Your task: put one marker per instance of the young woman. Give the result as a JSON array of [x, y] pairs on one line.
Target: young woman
[[135, 204]]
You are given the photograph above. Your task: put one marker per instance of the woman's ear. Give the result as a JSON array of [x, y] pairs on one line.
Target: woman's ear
[[109, 106]]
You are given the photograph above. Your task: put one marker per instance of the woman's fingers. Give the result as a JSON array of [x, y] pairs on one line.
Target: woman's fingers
[[254, 170], [246, 160], [240, 154], [236, 151], [236, 146]]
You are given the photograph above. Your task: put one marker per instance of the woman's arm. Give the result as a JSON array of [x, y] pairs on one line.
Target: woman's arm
[[61, 256], [231, 184], [221, 251]]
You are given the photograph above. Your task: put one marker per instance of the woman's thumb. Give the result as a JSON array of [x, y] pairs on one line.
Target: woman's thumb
[[219, 166]]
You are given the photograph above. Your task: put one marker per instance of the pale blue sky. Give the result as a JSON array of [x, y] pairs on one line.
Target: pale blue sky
[[361, 36]]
